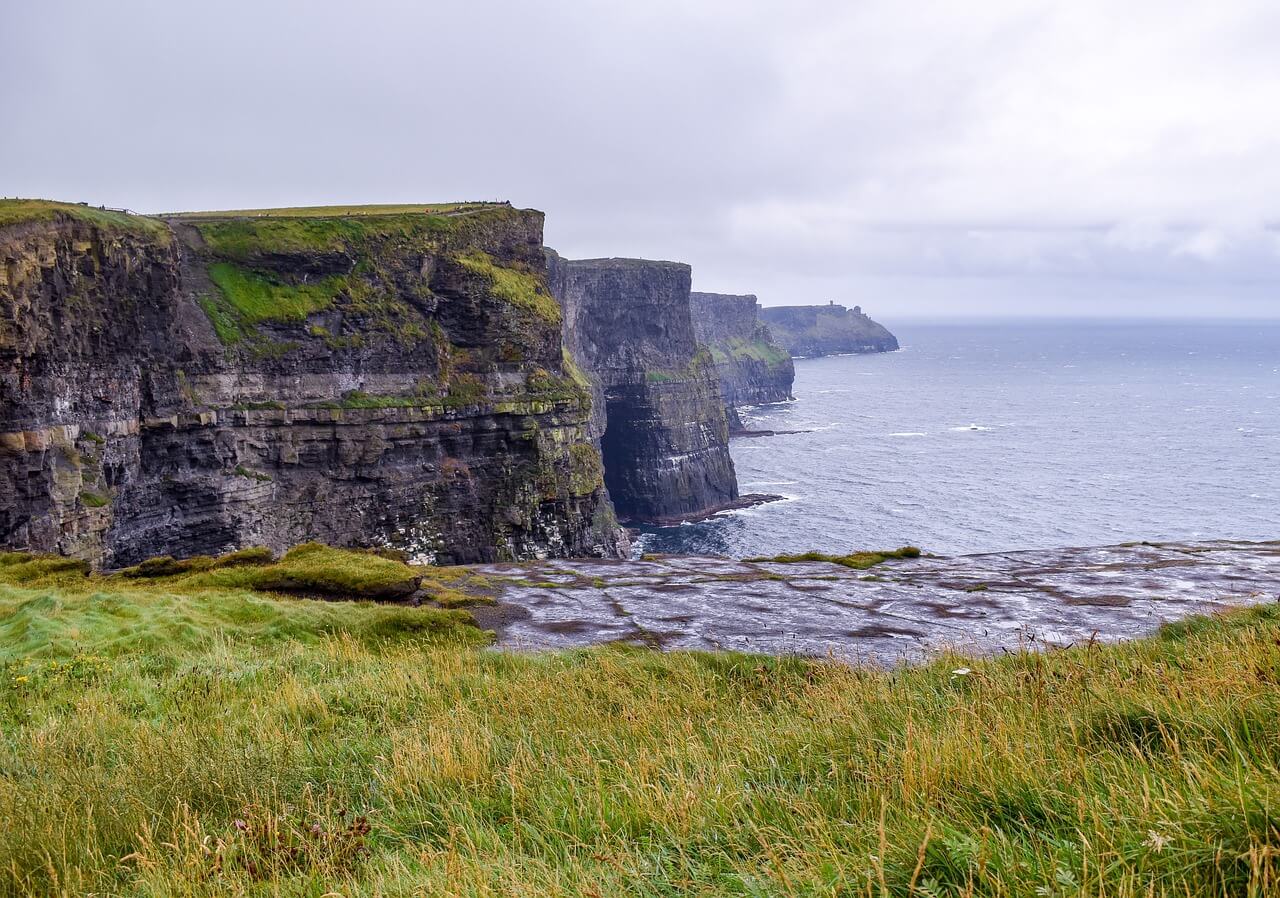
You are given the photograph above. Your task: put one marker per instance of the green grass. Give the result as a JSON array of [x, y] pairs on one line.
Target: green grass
[[309, 569], [243, 239], [662, 377], [94, 500], [257, 298], [366, 250], [162, 738], [856, 560], [738, 349], [341, 211], [520, 288], [18, 211]]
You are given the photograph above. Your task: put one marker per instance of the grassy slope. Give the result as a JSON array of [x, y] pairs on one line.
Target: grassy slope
[[166, 738], [339, 211], [737, 349], [17, 211]]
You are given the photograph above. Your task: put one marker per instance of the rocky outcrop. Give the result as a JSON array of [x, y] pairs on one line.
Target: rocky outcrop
[[388, 377], [662, 428], [907, 609], [807, 331], [751, 367]]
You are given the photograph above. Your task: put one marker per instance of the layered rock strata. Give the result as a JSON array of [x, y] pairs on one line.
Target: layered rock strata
[[807, 331], [751, 367], [374, 376], [662, 427]]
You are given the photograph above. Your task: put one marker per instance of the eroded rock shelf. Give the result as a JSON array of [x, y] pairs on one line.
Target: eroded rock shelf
[[899, 610]]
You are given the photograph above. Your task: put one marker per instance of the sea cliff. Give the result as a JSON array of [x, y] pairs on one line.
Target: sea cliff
[[751, 367], [662, 428], [382, 376], [832, 329]]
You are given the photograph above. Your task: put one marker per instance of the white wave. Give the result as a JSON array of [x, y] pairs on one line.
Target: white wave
[[965, 427]]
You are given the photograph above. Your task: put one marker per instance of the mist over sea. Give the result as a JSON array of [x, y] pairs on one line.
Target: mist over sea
[[993, 436]]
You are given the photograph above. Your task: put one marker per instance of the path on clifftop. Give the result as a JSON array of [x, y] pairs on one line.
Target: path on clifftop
[[894, 611]]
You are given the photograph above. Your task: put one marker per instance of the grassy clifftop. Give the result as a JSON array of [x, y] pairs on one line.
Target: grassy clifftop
[[19, 211], [281, 265], [171, 735], [343, 211]]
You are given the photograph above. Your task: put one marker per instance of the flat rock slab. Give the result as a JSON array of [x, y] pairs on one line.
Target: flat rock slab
[[896, 611]]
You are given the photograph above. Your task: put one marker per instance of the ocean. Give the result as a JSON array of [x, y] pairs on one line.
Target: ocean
[[1003, 435]]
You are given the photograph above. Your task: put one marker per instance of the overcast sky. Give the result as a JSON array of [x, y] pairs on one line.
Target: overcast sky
[[918, 158]]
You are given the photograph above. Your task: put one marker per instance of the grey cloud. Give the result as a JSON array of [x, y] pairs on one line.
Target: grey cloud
[[1012, 155]]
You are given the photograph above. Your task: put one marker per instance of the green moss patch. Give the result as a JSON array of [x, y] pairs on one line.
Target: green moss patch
[[256, 297], [586, 471], [738, 349], [520, 288], [313, 568], [856, 560]]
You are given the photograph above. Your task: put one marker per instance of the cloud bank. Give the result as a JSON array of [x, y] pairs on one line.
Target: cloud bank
[[1006, 156]]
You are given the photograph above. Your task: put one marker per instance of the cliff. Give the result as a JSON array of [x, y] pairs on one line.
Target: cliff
[[662, 428], [808, 331], [387, 376], [751, 367]]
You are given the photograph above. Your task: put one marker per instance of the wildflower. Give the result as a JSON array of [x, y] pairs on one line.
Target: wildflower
[[1155, 841], [960, 672], [22, 679]]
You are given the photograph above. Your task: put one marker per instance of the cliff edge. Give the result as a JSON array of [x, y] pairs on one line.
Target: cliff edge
[[663, 433], [808, 331], [751, 367], [378, 376]]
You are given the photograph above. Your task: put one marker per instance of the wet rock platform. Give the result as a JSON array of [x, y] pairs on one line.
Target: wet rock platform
[[896, 611]]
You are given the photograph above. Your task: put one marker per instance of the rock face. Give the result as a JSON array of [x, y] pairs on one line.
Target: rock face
[[390, 377], [808, 331], [751, 367], [663, 432]]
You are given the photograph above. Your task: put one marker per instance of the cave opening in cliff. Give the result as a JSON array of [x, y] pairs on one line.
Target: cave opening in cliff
[[622, 451]]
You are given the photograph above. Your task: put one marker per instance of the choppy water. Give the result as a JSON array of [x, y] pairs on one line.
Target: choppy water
[[999, 436]]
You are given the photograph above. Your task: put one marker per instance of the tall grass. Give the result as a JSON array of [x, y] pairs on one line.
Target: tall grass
[[223, 742]]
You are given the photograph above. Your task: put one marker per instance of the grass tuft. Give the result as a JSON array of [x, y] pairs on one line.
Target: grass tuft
[[857, 560]]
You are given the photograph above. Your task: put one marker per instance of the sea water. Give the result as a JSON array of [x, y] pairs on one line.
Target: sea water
[[993, 436]]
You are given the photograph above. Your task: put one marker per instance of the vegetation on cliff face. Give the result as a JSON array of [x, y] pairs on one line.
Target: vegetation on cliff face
[[251, 298], [520, 288], [282, 265], [163, 738], [736, 349]]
